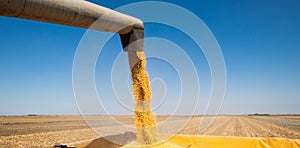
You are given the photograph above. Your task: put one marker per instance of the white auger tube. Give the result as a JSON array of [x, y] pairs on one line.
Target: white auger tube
[[77, 13]]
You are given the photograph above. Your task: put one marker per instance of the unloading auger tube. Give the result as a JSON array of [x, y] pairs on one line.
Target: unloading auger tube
[[78, 13]]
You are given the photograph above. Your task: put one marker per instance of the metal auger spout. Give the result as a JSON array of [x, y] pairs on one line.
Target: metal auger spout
[[78, 13]]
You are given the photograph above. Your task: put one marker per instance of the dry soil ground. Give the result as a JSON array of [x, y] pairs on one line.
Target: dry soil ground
[[45, 131], [245, 126]]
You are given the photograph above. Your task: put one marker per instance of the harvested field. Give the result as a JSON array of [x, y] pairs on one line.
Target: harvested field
[[20, 125], [244, 126], [290, 122], [45, 131]]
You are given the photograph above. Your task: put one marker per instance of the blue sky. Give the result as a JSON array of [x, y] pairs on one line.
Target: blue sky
[[259, 40]]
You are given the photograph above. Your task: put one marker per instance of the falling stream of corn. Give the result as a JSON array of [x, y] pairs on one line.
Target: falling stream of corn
[[145, 122]]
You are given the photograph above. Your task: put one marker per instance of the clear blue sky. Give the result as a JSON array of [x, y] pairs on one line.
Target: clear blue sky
[[260, 41]]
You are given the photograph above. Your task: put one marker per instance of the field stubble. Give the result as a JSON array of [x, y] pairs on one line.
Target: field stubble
[[41, 131]]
